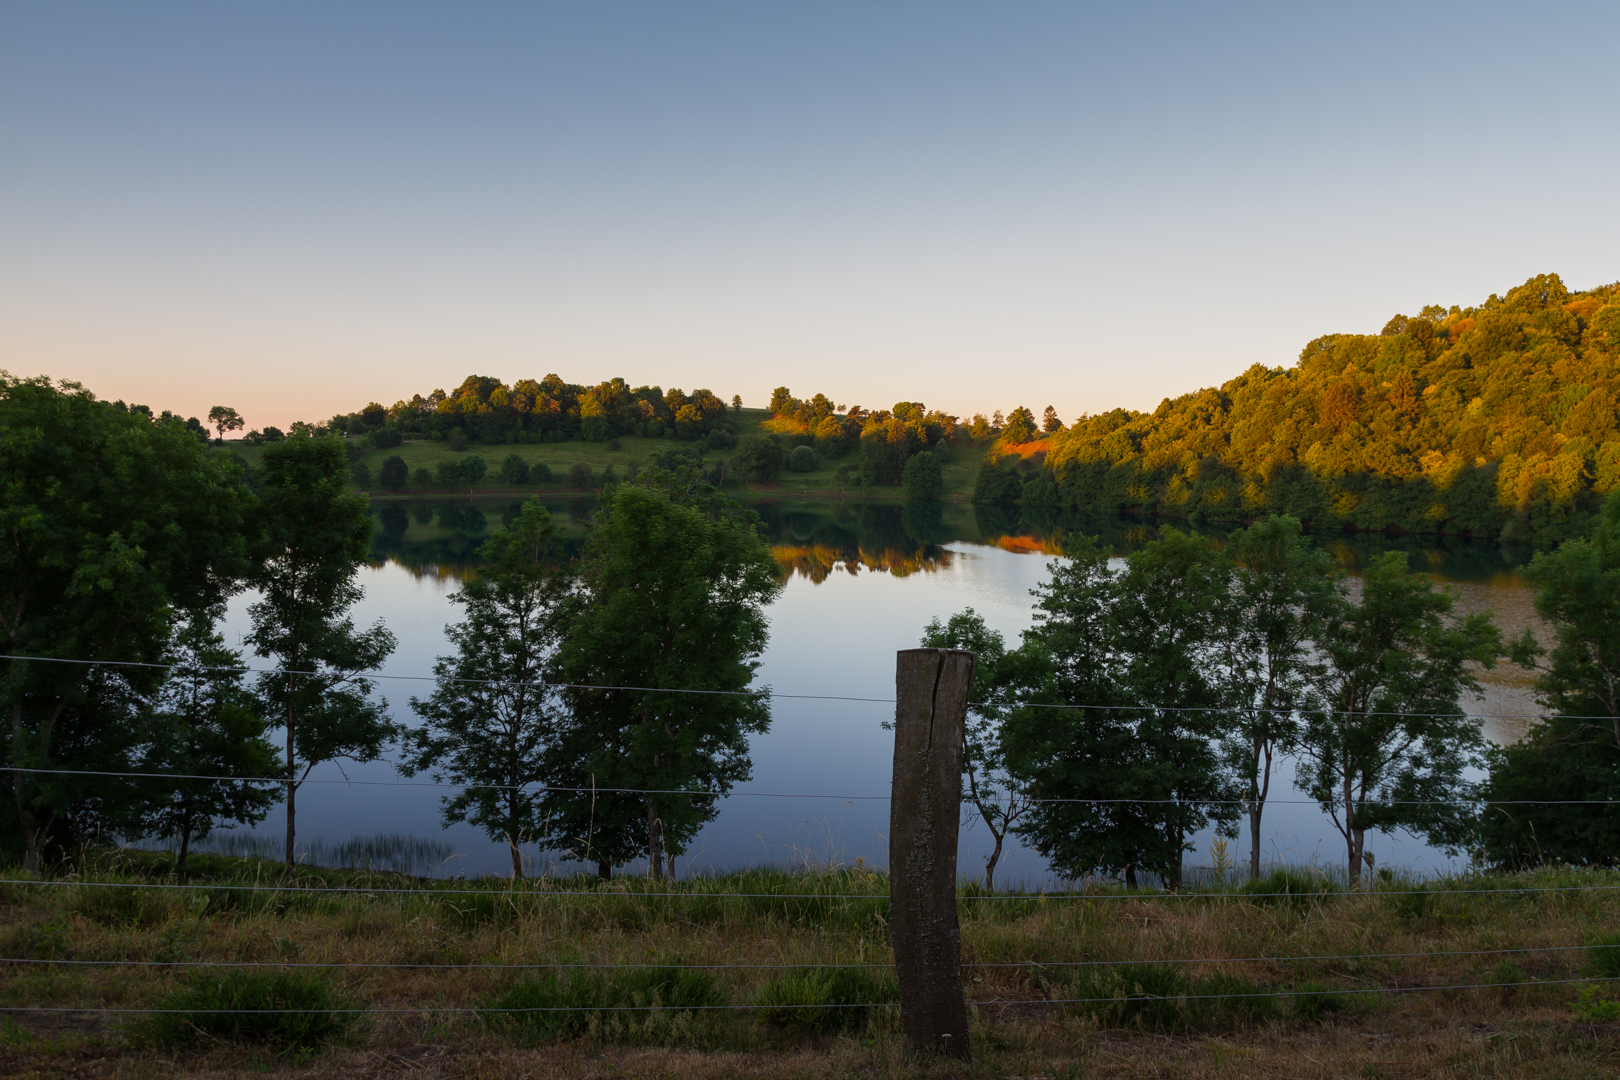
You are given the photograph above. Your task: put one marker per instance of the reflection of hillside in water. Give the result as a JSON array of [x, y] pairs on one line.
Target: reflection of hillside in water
[[440, 538], [814, 542]]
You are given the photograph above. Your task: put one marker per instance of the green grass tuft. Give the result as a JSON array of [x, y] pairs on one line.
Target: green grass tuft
[[654, 1004], [284, 1011], [818, 1001]]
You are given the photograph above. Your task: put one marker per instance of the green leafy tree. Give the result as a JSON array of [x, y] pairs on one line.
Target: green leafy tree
[[675, 581], [1551, 796], [1385, 743], [803, 459], [204, 723], [223, 418], [1050, 421], [423, 479], [514, 470], [462, 472], [1282, 589], [1130, 655], [491, 719], [998, 799], [759, 458], [317, 534], [580, 475], [923, 477], [998, 482], [113, 524], [394, 472], [1020, 427]]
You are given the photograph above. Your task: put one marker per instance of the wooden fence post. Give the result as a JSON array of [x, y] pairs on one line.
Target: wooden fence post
[[931, 693]]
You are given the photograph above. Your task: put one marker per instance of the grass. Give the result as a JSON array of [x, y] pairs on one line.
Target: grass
[[824, 480], [286, 1011], [1200, 986]]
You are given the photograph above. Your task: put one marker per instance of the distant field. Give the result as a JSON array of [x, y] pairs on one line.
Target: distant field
[[823, 480]]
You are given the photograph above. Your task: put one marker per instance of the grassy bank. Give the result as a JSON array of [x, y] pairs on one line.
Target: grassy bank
[[959, 473], [1199, 985]]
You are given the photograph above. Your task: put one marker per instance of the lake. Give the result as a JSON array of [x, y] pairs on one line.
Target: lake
[[863, 579]]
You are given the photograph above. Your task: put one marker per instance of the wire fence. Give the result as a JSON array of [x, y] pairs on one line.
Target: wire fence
[[1235, 708], [702, 891]]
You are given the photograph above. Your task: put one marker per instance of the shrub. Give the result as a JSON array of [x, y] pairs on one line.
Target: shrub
[[423, 478], [394, 472], [514, 470], [1604, 957], [1145, 995], [458, 440], [594, 429], [361, 475], [922, 478], [942, 450], [469, 470], [824, 1000], [1039, 490], [386, 438], [998, 482], [759, 458], [720, 439], [579, 475], [1293, 887], [285, 1011], [634, 1004], [1312, 1002], [803, 459], [540, 473]]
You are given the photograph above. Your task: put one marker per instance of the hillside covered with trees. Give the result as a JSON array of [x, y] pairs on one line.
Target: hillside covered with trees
[[484, 409], [1495, 421]]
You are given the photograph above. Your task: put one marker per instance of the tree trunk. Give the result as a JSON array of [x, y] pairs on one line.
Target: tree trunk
[[292, 794], [185, 848], [655, 842], [517, 857], [1175, 867], [1262, 751], [995, 857], [1130, 875], [604, 870], [1352, 835]]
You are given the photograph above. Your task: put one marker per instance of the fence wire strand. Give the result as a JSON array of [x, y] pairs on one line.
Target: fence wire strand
[[768, 692], [544, 894], [980, 1004], [966, 964]]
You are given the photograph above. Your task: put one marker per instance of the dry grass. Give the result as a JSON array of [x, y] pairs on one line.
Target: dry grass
[[1492, 1031]]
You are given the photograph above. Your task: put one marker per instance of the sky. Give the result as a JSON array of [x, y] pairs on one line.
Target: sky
[[297, 208]]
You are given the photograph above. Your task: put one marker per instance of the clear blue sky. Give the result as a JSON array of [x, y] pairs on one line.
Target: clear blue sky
[[295, 208]]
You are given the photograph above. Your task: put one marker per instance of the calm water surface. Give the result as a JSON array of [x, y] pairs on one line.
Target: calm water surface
[[862, 582]]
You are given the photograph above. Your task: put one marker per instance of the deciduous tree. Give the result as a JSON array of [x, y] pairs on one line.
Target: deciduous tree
[[317, 534], [661, 651], [113, 523], [204, 724], [1282, 589], [1385, 743], [223, 418], [491, 720]]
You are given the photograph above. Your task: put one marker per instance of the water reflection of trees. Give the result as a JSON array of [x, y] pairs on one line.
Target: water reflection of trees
[[440, 538], [816, 541]]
